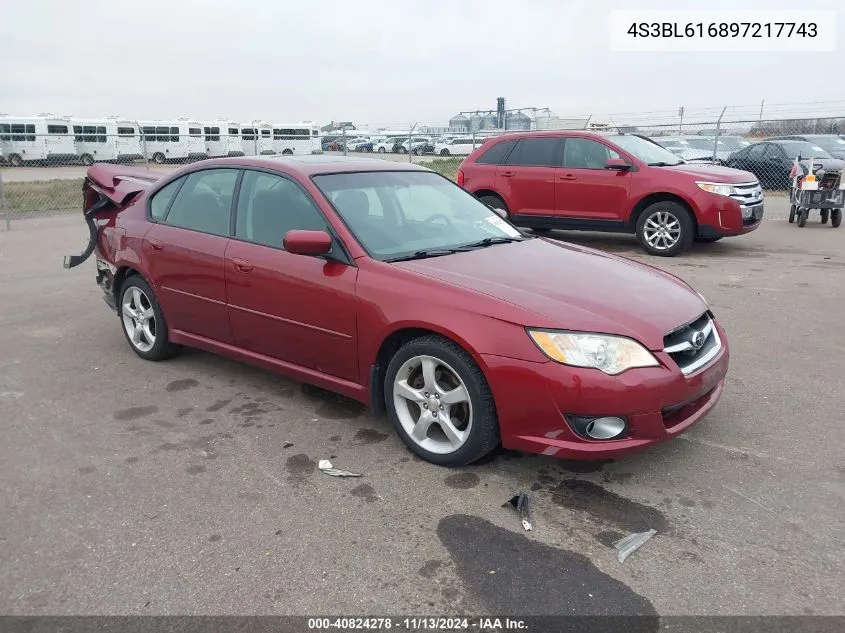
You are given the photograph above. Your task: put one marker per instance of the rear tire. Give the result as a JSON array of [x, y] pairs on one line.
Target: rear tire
[[801, 218], [665, 229], [15, 160], [87, 159], [143, 322], [469, 414], [792, 213], [287, 152], [836, 218], [444, 152], [381, 150], [158, 158], [494, 201], [825, 215]]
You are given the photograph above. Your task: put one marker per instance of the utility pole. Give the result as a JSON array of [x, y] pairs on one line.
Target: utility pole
[[681, 123]]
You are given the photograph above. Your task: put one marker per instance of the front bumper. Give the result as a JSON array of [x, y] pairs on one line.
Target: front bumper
[[533, 400], [721, 216]]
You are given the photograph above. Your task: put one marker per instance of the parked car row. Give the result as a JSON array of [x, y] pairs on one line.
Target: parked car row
[[770, 160], [418, 145]]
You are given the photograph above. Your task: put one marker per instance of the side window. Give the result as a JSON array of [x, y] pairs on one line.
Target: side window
[[583, 153], [757, 151], [537, 152], [205, 202], [773, 150], [497, 154], [161, 200], [269, 206]]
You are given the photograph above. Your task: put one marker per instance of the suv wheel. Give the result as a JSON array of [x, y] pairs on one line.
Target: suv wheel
[[665, 229], [494, 201], [439, 402]]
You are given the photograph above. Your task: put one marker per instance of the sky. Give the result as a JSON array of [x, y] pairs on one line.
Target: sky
[[383, 62]]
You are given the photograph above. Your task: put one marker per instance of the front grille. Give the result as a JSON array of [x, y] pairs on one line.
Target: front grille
[[748, 194], [694, 345]]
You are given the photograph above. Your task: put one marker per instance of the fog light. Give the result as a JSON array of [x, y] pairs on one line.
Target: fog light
[[605, 428]]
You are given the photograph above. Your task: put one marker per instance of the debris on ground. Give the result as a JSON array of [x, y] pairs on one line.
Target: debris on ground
[[287, 445], [520, 504], [630, 544], [326, 466]]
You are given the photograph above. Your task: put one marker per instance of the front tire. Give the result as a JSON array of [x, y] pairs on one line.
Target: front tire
[[87, 159], [792, 209], [158, 158], [15, 160], [665, 229], [836, 218], [801, 219], [143, 321], [444, 152], [440, 403], [382, 150], [825, 215]]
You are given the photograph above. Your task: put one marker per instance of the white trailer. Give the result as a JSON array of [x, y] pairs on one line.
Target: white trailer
[[296, 138], [257, 138], [41, 138], [179, 140], [222, 138], [106, 140]]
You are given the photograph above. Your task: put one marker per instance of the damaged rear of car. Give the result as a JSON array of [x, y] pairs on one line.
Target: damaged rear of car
[[107, 191]]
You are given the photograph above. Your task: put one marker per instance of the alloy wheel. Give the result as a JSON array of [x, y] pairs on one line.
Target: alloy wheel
[[138, 319], [662, 230], [433, 404]]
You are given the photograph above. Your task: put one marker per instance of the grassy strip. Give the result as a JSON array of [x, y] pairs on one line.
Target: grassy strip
[[445, 166], [42, 195]]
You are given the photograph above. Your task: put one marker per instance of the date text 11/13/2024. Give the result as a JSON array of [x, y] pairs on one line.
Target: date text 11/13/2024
[[723, 29], [417, 624]]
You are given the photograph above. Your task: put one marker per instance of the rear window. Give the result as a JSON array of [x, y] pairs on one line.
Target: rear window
[[536, 152], [497, 154]]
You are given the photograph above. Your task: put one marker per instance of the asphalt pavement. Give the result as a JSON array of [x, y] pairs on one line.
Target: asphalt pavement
[[191, 486]]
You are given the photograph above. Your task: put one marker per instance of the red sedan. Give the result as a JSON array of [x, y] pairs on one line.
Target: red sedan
[[389, 284]]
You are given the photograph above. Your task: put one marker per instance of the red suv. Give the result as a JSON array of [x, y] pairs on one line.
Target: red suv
[[622, 183]]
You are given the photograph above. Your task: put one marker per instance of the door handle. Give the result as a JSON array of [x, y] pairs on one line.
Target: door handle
[[567, 177], [156, 245], [509, 174], [241, 265]]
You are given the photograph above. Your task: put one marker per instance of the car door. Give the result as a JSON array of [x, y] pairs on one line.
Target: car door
[[527, 179], [775, 166], [185, 248], [585, 188], [752, 159], [295, 308]]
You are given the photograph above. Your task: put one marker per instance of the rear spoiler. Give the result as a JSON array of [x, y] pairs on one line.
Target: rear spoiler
[[114, 187]]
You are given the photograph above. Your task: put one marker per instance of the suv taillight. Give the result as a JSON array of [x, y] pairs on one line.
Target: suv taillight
[[460, 178]]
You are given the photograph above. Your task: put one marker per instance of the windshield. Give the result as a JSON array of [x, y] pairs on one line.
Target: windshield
[[644, 150], [400, 214], [804, 149]]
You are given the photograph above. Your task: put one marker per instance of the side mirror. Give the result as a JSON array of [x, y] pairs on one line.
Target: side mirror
[[617, 164], [307, 242]]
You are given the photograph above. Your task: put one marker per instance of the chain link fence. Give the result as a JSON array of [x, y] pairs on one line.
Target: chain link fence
[[43, 161]]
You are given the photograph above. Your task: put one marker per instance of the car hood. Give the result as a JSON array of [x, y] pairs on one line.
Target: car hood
[[564, 286], [713, 173]]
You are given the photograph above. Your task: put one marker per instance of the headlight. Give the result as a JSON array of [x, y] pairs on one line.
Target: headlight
[[610, 354], [719, 188]]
